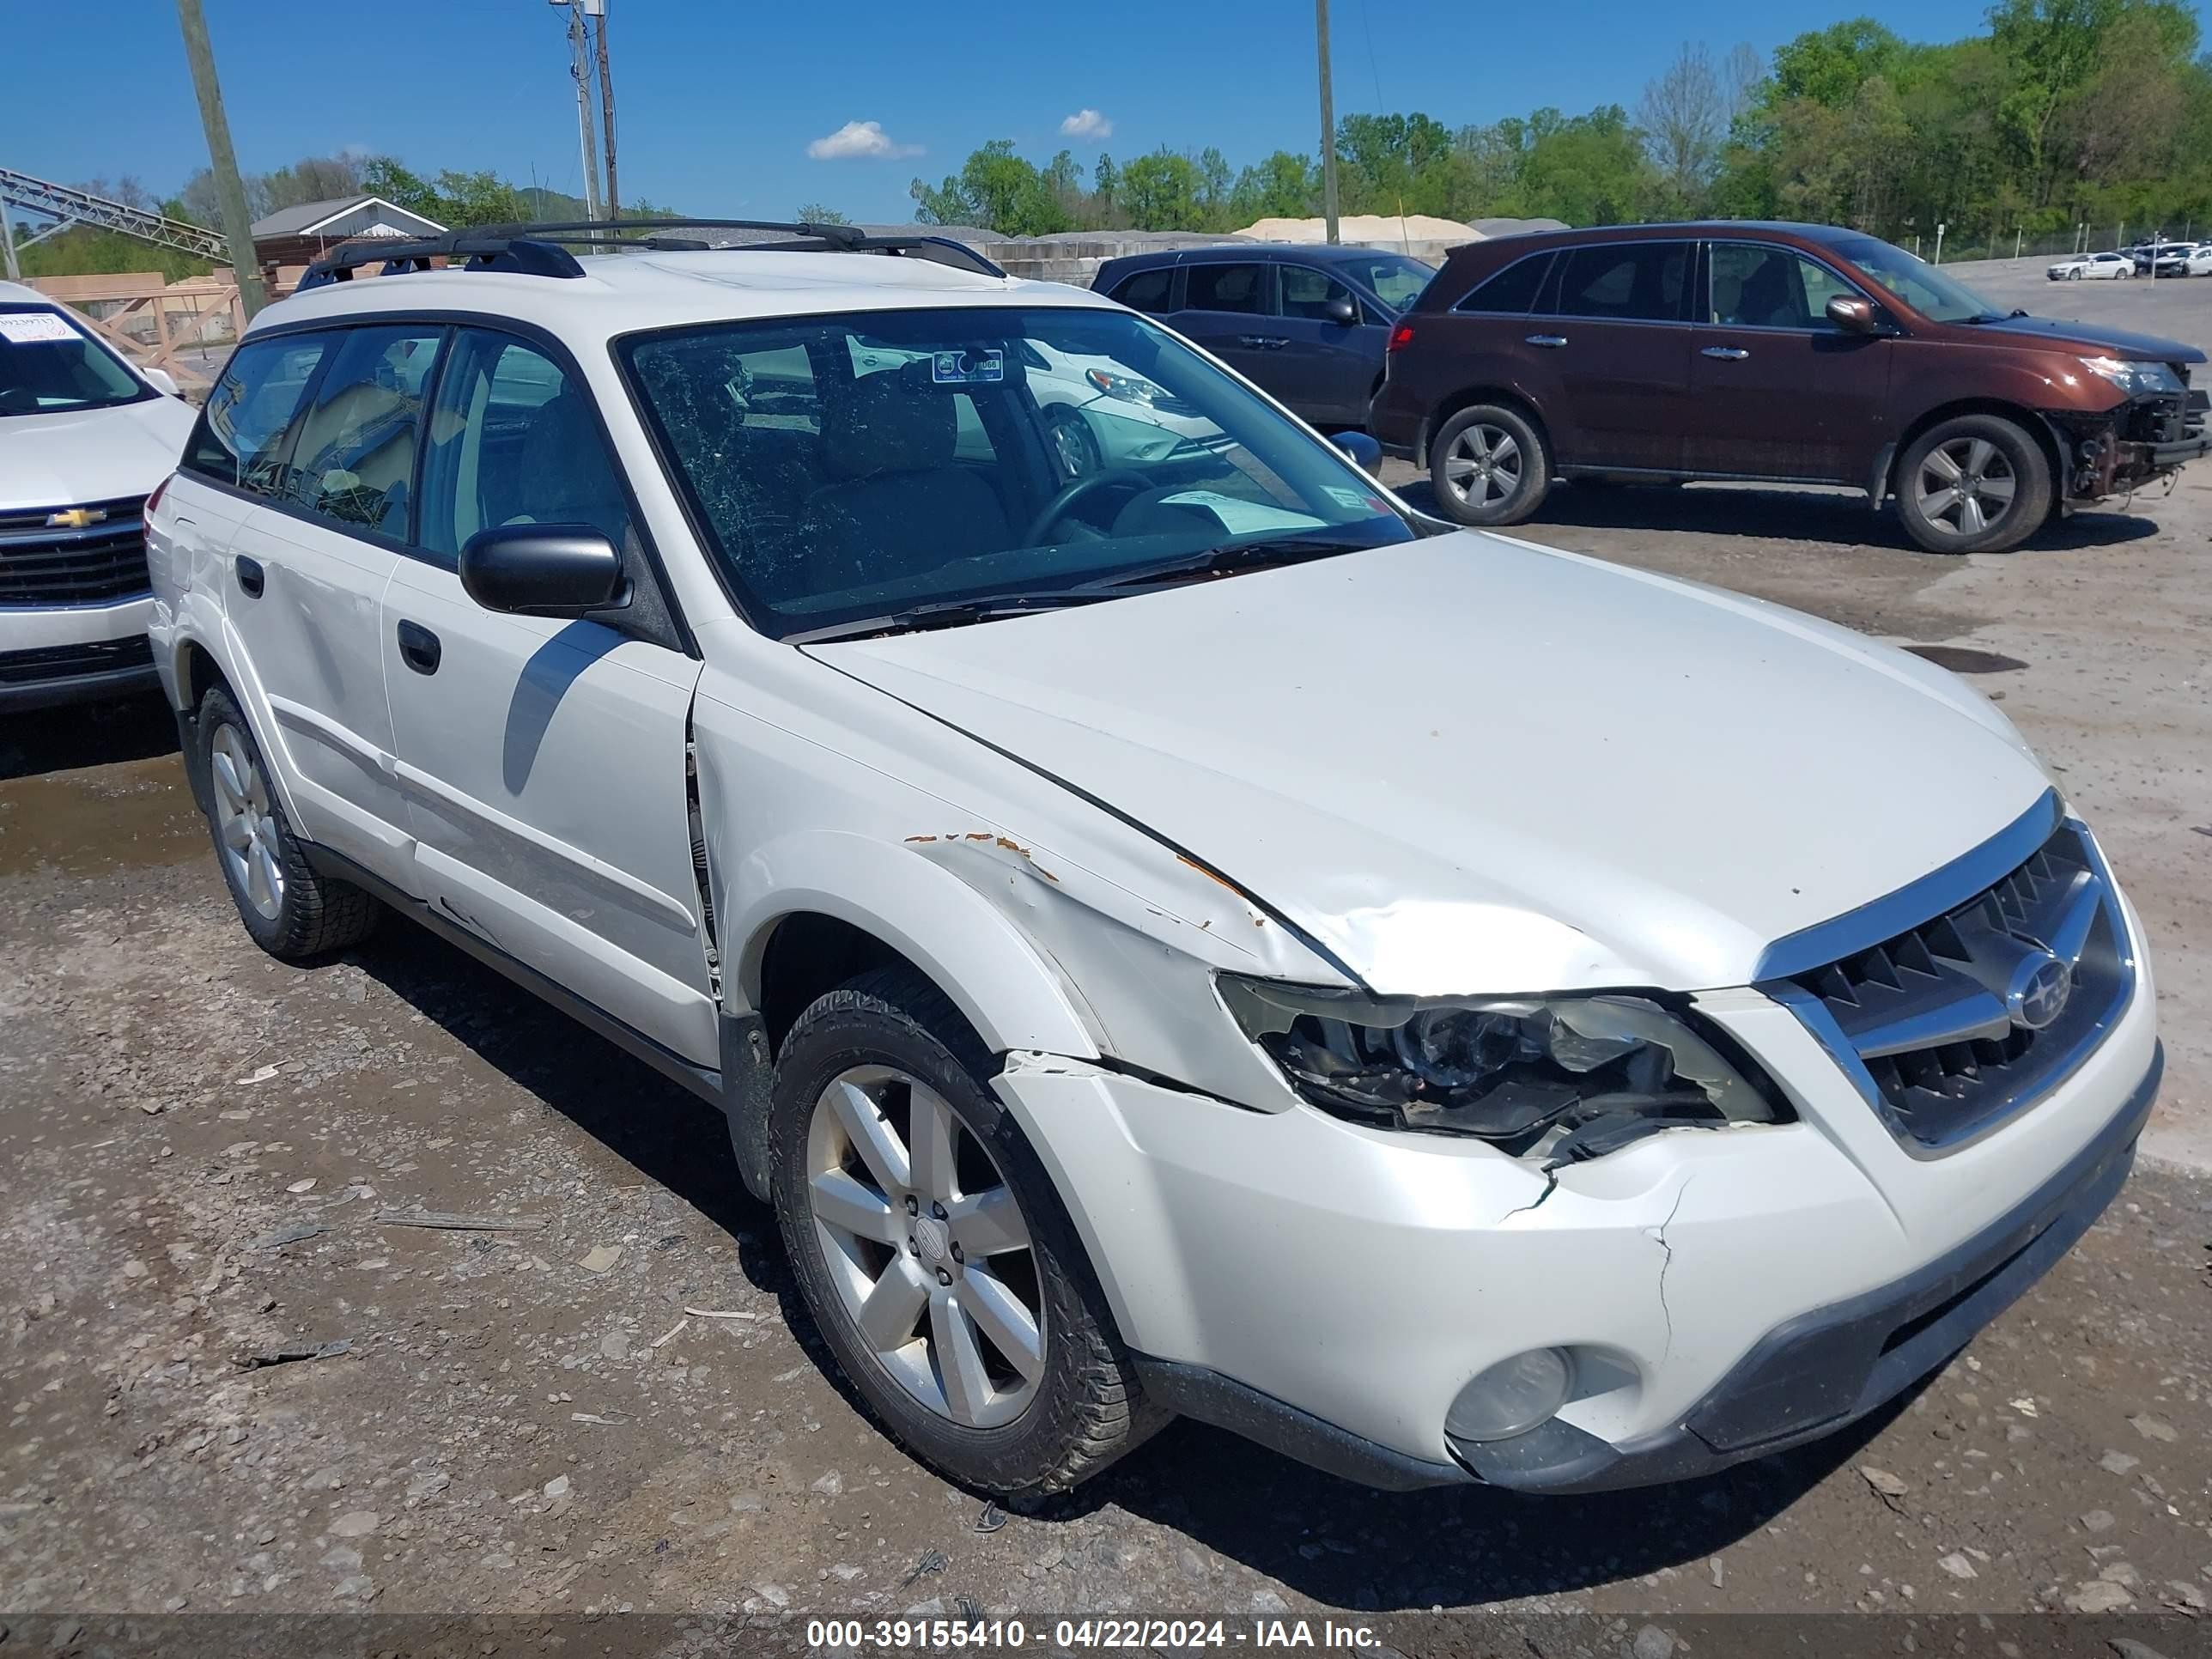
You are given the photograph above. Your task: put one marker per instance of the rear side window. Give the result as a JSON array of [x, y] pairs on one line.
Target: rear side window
[[514, 441], [1630, 281], [1513, 290], [1147, 291], [1226, 287], [353, 460], [244, 431]]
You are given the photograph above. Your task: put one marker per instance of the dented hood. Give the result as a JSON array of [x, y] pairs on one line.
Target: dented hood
[[1466, 765]]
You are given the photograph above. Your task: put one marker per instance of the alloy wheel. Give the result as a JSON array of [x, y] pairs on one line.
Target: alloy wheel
[[245, 823], [1483, 465], [926, 1246], [1965, 486]]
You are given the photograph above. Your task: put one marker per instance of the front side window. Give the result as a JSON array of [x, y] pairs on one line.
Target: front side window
[[1625, 282], [1308, 294], [513, 441], [246, 431], [1757, 287], [49, 366], [973, 454], [1395, 279], [1933, 294], [1225, 288], [353, 458]]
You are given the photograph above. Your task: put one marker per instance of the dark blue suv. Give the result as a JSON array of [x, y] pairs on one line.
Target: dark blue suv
[[1307, 323]]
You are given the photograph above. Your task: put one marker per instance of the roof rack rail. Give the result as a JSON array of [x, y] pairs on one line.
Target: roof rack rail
[[542, 250]]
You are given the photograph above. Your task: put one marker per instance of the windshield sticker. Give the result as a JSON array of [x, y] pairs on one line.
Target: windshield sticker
[[1241, 518], [28, 327], [1358, 501], [968, 368]]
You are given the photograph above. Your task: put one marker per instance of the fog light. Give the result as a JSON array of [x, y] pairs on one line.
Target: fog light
[[1512, 1397]]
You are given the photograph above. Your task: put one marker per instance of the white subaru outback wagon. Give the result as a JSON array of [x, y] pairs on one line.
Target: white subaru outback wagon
[[1180, 937]]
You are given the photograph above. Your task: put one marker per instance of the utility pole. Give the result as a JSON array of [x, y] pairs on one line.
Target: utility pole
[[1328, 124], [222, 160], [607, 109], [579, 69]]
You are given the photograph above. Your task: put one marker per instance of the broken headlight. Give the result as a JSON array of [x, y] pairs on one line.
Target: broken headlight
[[1559, 1077]]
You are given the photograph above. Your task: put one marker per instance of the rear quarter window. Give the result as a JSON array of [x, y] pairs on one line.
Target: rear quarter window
[[1512, 291], [1147, 291]]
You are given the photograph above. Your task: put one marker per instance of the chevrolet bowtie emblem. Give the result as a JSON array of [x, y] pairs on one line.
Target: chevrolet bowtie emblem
[[76, 518]]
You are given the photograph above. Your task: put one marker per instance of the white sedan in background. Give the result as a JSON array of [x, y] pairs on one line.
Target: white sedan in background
[[2117, 266], [84, 439]]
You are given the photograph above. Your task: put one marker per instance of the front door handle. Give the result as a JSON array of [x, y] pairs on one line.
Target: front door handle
[[1729, 354], [419, 647], [1263, 342], [251, 577], [1553, 340]]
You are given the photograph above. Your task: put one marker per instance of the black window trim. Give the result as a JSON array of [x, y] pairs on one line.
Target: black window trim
[[530, 334], [1704, 309], [1555, 279]]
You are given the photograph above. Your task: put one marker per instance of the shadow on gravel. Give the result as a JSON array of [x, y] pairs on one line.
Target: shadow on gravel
[[85, 734], [1837, 516], [1452, 1547], [1343, 1545]]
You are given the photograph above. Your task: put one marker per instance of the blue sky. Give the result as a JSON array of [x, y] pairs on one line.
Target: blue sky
[[720, 99]]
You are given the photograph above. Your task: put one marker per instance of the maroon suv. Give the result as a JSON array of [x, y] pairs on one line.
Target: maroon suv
[[1793, 353]]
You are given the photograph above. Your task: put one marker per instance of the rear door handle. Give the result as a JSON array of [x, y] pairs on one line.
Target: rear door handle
[[419, 647], [1729, 353], [1548, 340], [251, 577], [1263, 342]]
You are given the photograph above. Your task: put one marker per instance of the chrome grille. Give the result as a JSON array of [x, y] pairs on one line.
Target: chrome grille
[[43, 562], [1955, 1025]]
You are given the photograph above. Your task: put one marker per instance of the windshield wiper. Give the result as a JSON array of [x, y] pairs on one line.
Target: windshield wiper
[[1223, 560], [949, 613]]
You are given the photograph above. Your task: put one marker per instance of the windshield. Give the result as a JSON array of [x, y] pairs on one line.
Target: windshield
[[1929, 291], [47, 365], [1393, 278], [857, 466]]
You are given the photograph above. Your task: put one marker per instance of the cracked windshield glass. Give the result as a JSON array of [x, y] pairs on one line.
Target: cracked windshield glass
[[859, 470]]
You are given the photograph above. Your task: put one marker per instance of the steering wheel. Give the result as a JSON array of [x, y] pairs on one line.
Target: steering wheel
[[1074, 491]]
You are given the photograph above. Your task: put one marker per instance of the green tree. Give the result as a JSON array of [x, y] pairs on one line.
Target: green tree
[[815, 213], [1282, 186], [994, 189], [1160, 192]]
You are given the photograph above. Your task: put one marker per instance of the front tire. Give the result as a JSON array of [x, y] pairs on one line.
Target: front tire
[[1487, 465], [1977, 483], [933, 1252], [292, 912]]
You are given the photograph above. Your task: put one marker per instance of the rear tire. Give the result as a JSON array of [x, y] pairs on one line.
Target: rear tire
[[1977, 483], [291, 911], [996, 1364], [1488, 465]]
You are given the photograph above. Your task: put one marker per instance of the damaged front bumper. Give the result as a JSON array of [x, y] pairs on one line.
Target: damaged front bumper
[[1327, 1288], [2134, 443]]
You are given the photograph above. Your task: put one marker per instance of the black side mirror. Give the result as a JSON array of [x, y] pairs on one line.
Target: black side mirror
[[1852, 314], [1341, 309], [543, 570], [1363, 451]]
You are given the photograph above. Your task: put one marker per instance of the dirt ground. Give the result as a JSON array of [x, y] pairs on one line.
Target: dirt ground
[[231, 1383]]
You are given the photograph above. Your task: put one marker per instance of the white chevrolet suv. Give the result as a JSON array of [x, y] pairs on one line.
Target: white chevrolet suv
[[84, 437], [1180, 937]]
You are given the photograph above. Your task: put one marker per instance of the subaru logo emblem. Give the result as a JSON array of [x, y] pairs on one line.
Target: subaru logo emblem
[[2039, 990]]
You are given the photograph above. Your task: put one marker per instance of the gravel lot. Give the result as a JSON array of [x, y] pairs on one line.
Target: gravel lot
[[230, 1386]]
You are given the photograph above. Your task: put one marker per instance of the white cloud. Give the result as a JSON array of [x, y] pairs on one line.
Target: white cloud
[[1087, 123], [864, 139]]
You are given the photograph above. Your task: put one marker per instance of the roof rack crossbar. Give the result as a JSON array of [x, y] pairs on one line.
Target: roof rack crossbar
[[540, 249]]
